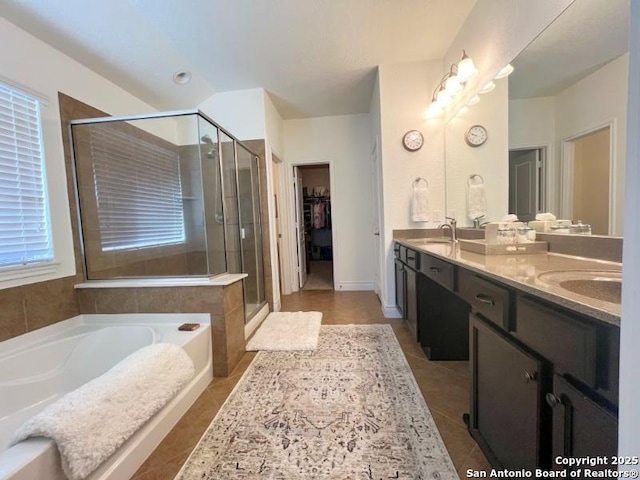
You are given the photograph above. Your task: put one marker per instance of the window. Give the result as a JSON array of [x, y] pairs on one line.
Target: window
[[25, 233], [138, 190]]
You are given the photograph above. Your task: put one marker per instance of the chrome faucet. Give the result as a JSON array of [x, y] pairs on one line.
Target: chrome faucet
[[476, 221], [452, 227]]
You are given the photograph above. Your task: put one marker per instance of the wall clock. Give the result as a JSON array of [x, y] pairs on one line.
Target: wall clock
[[475, 136], [413, 140]]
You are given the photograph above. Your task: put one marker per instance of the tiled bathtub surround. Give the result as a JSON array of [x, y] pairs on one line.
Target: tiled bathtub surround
[[37, 305], [224, 303]]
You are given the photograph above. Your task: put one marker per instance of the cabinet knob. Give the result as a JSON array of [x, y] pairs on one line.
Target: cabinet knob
[[529, 377], [434, 270], [552, 400]]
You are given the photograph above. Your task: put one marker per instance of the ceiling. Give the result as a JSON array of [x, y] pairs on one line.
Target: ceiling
[[314, 57], [588, 34]]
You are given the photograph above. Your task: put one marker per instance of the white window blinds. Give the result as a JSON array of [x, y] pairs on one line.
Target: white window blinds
[[138, 190], [25, 233]]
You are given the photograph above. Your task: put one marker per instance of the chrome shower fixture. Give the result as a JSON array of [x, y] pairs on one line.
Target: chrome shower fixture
[[206, 139]]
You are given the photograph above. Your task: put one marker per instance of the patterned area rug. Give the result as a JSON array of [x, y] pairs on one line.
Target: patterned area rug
[[349, 410]]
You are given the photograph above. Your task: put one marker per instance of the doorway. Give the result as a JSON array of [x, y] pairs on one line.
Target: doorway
[[526, 182], [587, 179], [315, 239]]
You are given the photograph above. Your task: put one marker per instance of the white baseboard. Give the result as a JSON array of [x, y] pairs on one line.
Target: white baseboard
[[391, 312], [277, 306], [255, 322], [354, 286]]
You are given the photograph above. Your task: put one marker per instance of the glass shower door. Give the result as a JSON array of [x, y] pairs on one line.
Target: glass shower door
[[250, 229]]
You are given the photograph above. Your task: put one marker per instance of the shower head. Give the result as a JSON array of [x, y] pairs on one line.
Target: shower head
[[206, 139]]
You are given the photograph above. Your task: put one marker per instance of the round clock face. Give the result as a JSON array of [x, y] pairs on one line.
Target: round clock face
[[412, 140], [476, 136]]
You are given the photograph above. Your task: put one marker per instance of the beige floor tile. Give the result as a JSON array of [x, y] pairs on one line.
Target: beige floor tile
[[445, 386]]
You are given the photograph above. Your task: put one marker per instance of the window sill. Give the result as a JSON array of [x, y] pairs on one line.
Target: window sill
[[27, 271]]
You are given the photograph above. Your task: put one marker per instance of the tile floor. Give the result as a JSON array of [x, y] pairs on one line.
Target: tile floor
[[320, 275], [445, 386]]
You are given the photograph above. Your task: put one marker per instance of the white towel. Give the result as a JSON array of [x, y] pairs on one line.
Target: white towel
[[420, 203], [91, 422], [546, 216], [476, 201]]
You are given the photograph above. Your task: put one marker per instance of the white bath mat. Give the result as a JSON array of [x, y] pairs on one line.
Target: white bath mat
[[285, 331]]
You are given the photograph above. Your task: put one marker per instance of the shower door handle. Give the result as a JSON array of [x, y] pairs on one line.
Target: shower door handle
[[243, 233]]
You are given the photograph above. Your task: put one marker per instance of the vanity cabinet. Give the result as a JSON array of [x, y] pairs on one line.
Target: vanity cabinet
[[400, 287], [406, 262], [544, 379], [508, 417]]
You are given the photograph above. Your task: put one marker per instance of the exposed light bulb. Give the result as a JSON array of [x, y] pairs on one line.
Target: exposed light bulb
[[505, 72], [434, 110], [488, 87], [452, 85], [443, 98], [466, 68], [462, 111], [473, 100]]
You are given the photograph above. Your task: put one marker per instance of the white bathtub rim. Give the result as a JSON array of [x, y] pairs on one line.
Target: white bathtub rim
[[93, 321]]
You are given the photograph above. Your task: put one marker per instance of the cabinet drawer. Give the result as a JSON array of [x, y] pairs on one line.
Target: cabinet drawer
[[489, 300], [413, 259], [437, 270], [569, 343]]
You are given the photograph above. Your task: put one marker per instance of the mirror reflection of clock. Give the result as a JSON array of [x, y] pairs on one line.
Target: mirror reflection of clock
[[413, 140], [475, 136]]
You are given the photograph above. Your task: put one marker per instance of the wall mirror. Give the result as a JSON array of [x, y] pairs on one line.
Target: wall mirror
[[556, 127]]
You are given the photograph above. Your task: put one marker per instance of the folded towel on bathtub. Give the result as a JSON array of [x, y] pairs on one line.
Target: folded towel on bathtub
[[91, 422]]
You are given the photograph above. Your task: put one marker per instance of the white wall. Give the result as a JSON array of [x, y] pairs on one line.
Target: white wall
[[629, 418], [240, 112], [405, 93], [490, 160], [37, 67], [593, 102], [343, 142], [274, 145]]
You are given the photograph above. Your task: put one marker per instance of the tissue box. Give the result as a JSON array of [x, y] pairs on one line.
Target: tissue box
[[491, 230], [542, 226]]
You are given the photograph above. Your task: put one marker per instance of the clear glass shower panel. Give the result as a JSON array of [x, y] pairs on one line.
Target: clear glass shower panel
[[142, 203], [229, 180], [212, 195], [250, 229]]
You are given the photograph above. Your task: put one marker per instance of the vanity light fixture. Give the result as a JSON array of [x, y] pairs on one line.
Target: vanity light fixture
[[473, 100], [488, 87], [451, 84], [466, 68], [505, 72]]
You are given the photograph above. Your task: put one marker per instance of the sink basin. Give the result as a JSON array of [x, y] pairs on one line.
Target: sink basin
[[600, 285], [424, 241]]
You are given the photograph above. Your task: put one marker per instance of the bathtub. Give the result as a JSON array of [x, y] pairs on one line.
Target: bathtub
[[39, 367]]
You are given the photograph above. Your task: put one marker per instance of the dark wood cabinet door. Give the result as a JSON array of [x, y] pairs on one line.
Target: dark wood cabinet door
[[411, 304], [581, 427], [443, 320], [400, 288], [506, 399]]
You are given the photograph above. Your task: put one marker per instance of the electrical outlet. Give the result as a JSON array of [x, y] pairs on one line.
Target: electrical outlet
[[452, 214]]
